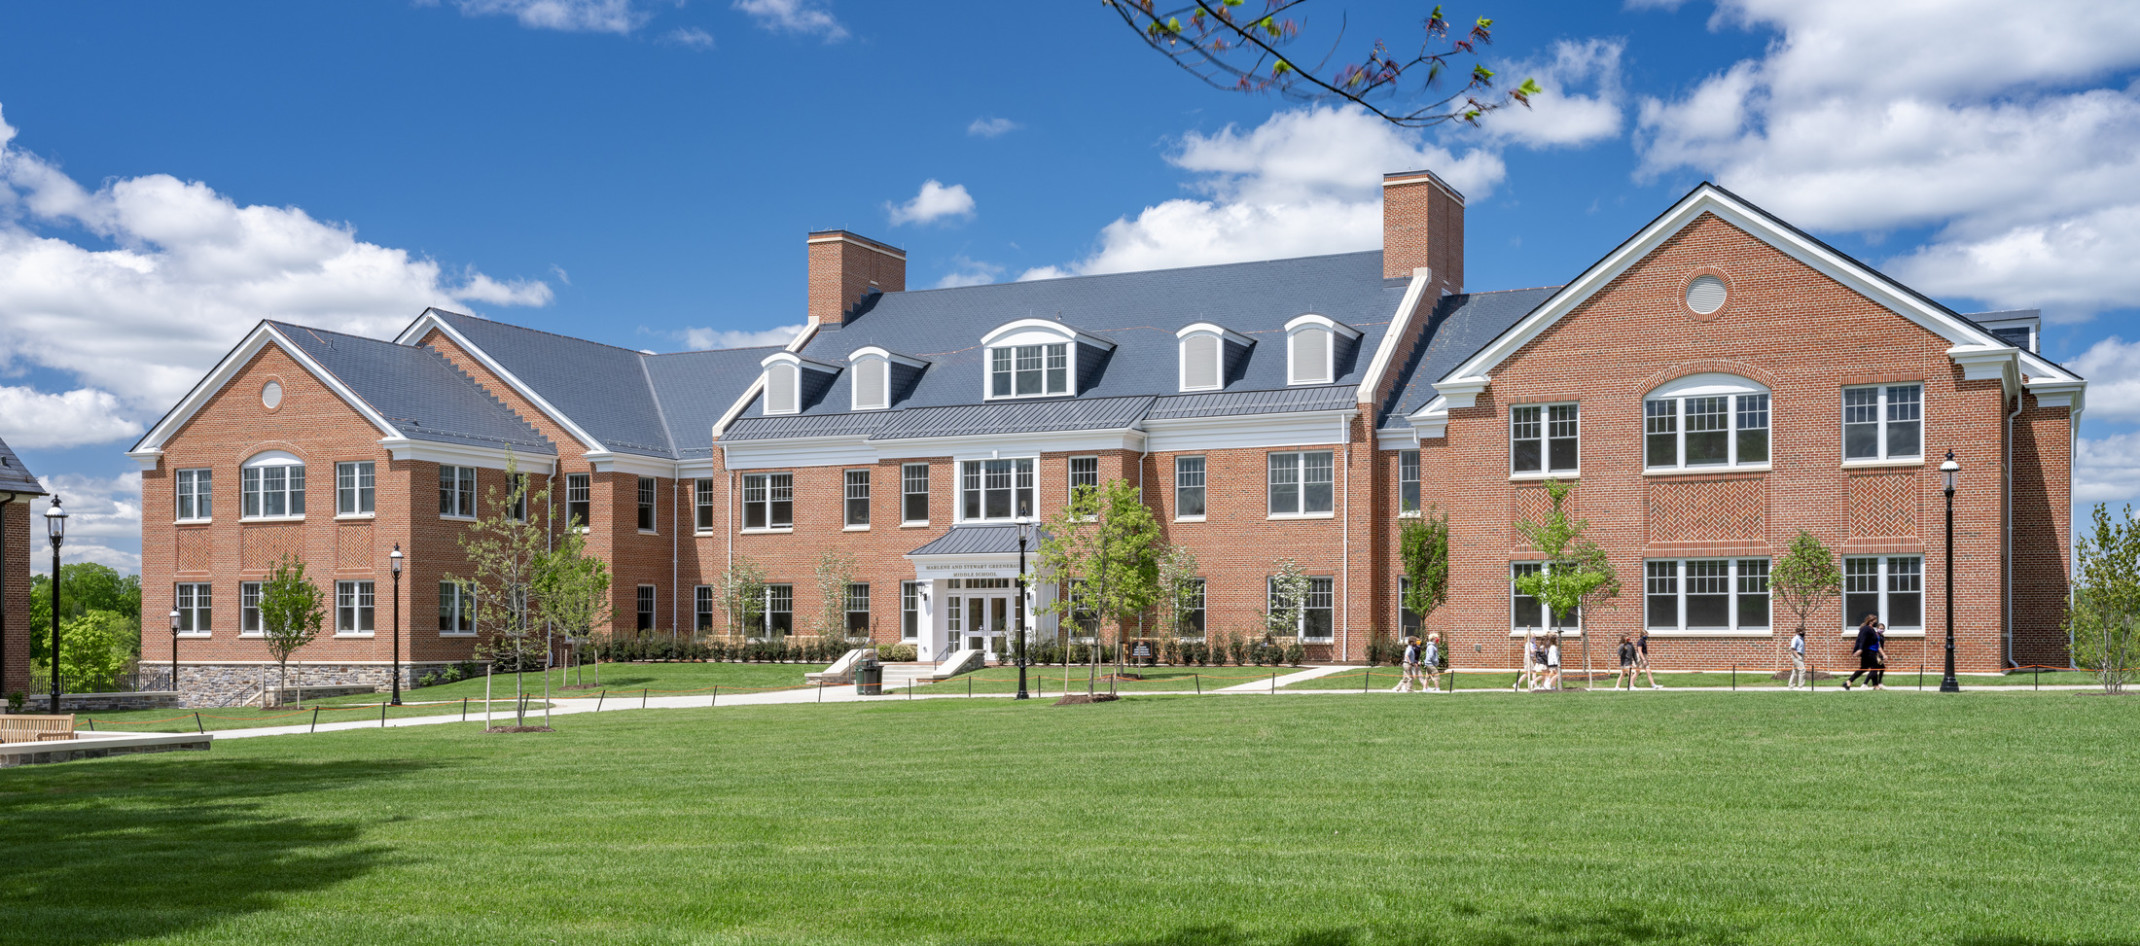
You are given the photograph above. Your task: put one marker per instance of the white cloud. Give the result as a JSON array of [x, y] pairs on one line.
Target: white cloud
[[1303, 183], [1967, 117], [572, 16], [794, 16], [935, 202], [969, 272], [991, 127], [32, 418], [1564, 115], [700, 339], [2106, 469], [103, 518], [2112, 367], [138, 287], [689, 37]]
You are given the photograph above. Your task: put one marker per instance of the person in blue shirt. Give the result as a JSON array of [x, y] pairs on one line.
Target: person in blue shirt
[[1430, 663], [1411, 666], [1798, 659]]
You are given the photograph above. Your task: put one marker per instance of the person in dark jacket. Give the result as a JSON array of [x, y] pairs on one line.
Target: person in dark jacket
[[1867, 649], [1627, 663]]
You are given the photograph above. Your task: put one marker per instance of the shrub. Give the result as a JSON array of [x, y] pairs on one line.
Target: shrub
[[1294, 654], [898, 653]]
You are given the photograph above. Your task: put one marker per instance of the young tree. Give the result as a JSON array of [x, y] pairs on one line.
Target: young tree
[[1180, 590], [99, 643], [742, 592], [835, 571], [503, 553], [572, 593], [1288, 599], [2104, 618], [1106, 540], [86, 587], [1423, 548], [291, 612], [1575, 570], [1805, 578], [1233, 47]]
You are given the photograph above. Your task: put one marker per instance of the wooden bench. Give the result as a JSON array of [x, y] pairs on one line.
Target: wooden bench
[[36, 728]]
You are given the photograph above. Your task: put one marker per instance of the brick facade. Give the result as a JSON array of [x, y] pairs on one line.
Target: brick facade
[[15, 601]]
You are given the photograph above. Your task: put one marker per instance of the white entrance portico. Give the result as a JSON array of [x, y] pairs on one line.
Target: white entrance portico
[[967, 581]]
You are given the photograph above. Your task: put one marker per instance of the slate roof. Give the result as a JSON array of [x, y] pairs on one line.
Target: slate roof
[[980, 540], [417, 390], [14, 477], [630, 401], [1459, 327]]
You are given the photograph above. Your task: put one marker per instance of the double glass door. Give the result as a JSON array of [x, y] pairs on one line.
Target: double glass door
[[982, 614]]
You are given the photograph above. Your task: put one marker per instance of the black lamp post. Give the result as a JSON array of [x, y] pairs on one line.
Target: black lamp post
[[1949, 471], [56, 528], [174, 651], [393, 564], [1025, 608]]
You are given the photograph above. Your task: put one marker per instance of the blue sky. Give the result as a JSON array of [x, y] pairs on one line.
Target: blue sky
[[642, 173]]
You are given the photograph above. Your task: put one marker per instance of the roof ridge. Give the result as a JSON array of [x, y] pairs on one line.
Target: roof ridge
[[654, 394], [540, 437], [575, 338], [1143, 272]]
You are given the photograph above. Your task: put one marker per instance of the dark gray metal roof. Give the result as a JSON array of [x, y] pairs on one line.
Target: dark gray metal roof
[[14, 477], [1227, 403], [694, 388], [1459, 327], [417, 390], [804, 425], [1139, 312], [1015, 417], [981, 540]]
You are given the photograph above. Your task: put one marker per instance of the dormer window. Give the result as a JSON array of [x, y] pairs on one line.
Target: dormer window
[[780, 389], [1312, 343], [875, 376], [791, 381], [1207, 352], [1036, 358]]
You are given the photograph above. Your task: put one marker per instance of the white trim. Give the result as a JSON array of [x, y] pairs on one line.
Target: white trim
[[453, 454], [1034, 331], [842, 236], [339, 517], [786, 453], [1220, 337], [1400, 326], [1983, 363], [1308, 319], [1020, 444], [431, 319], [1397, 438], [887, 354], [1331, 329], [1545, 442], [1293, 429], [988, 368], [1705, 384], [1707, 470], [1879, 464], [151, 444], [1456, 392], [1213, 328], [603, 461]]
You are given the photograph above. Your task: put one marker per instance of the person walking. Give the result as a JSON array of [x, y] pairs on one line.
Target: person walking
[[1411, 666], [1642, 661], [1879, 675], [1430, 663], [1525, 679], [1798, 659], [1867, 649], [1553, 661], [1627, 664]]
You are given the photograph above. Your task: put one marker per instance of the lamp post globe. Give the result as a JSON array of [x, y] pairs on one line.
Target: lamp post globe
[[1949, 472], [56, 530], [393, 564], [1025, 607]]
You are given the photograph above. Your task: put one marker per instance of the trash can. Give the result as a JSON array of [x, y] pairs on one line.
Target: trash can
[[869, 678]]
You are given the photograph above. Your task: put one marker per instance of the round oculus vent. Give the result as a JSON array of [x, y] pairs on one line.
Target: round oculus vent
[[1705, 294], [271, 394]]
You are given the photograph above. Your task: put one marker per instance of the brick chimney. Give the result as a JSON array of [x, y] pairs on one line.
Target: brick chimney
[[844, 268], [1423, 225]]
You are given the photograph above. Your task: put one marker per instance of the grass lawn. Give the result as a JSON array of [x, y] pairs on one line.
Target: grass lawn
[[1050, 679], [1385, 677], [664, 679], [338, 710], [1684, 818]]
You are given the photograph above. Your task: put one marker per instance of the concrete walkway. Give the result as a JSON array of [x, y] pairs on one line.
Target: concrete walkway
[[1285, 680]]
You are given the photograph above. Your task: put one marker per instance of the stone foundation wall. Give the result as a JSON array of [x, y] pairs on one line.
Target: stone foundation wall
[[204, 685], [80, 702]]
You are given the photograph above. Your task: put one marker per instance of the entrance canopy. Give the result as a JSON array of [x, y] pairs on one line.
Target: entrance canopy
[[974, 552]]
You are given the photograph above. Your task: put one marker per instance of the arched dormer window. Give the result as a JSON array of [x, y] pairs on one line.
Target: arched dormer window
[[1706, 421], [1206, 354], [791, 381], [271, 485], [1035, 358], [1312, 348], [875, 374], [780, 388]]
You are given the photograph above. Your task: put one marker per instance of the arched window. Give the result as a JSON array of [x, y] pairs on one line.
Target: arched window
[[272, 486], [869, 382], [781, 396], [1312, 348], [1706, 421], [1206, 352]]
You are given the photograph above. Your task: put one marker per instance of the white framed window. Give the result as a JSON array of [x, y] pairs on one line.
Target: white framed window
[[1201, 355], [1883, 422], [457, 492], [195, 604], [857, 497], [1527, 613], [647, 490], [992, 490], [355, 488], [249, 609], [702, 607], [579, 500], [1408, 622], [1084, 472], [1544, 438], [1706, 595], [1707, 421], [456, 609], [858, 609], [1317, 617], [909, 610], [516, 498], [1192, 618], [870, 380], [271, 485], [914, 494], [353, 607], [702, 504], [1301, 483], [1890, 586], [1408, 482], [1311, 348], [643, 610], [779, 617], [768, 501], [1189, 489], [196, 494], [1029, 370]]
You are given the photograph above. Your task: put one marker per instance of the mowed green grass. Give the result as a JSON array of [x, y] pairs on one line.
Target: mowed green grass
[[663, 679], [1383, 678], [2000, 820]]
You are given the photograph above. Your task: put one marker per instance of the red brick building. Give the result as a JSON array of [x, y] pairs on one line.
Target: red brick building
[[17, 486], [1713, 386]]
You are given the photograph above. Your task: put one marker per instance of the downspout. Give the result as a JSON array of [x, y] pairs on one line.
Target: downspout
[[2008, 543], [2073, 433], [1345, 551], [676, 524]]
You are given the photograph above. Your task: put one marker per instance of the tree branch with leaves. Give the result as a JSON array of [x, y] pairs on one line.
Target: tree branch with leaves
[[1106, 542], [2104, 618], [292, 609], [505, 553]]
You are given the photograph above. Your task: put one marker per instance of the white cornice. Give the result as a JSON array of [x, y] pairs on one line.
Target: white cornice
[[1985, 362], [1057, 330], [1311, 319], [1397, 438], [876, 351], [1459, 392], [1249, 431], [603, 461], [1400, 325], [259, 338], [1213, 328], [489, 458], [430, 319]]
